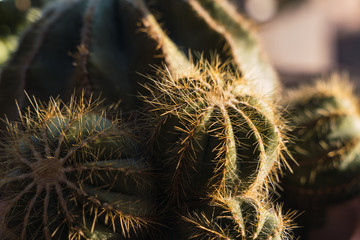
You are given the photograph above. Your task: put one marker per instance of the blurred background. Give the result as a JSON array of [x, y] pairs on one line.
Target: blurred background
[[14, 16], [305, 39]]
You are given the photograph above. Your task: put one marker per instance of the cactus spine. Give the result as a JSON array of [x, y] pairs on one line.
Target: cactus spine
[[243, 217], [218, 26], [216, 139], [216, 125], [326, 134], [71, 171]]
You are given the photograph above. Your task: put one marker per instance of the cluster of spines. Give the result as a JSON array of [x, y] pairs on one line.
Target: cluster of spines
[[216, 138], [70, 171], [326, 132], [212, 111], [241, 217]]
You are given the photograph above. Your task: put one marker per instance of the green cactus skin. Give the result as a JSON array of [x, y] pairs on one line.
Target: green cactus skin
[[218, 26], [242, 217], [226, 133], [215, 134], [102, 46], [70, 172], [326, 121], [95, 45]]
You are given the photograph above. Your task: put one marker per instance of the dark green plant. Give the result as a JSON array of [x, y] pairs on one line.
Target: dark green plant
[[214, 26], [70, 171], [102, 46], [211, 131], [326, 128], [215, 134]]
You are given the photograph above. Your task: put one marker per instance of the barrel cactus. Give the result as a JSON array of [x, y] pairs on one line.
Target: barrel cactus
[[214, 134], [326, 129], [70, 170]]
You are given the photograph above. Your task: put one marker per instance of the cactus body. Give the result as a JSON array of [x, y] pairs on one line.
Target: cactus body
[[102, 46], [215, 134], [70, 171], [103, 40], [74, 173], [218, 29], [326, 134]]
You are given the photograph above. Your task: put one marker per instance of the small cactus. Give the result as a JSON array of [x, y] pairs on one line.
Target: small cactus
[[326, 130], [71, 171], [215, 134]]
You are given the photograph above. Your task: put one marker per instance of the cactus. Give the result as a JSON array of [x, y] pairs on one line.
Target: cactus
[[242, 217], [101, 46], [92, 45], [215, 134], [218, 26], [326, 129], [70, 171]]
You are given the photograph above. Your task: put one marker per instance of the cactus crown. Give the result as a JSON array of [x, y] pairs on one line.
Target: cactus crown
[[211, 114], [66, 167]]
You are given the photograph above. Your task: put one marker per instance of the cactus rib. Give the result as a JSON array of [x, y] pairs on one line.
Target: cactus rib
[[69, 164]]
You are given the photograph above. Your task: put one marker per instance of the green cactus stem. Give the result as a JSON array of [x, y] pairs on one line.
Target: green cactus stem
[[71, 171], [326, 121], [99, 46], [102, 46], [215, 134], [220, 29], [243, 217]]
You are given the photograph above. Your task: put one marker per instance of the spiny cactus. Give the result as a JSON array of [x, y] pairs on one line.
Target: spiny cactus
[[243, 217], [326, 130], [70, 171], [220, 29], [102, 46], [215, 133]]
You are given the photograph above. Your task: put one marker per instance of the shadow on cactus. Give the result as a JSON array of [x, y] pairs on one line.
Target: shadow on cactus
[[326, 120], [214, 133], [70, 171], [113, 40]]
